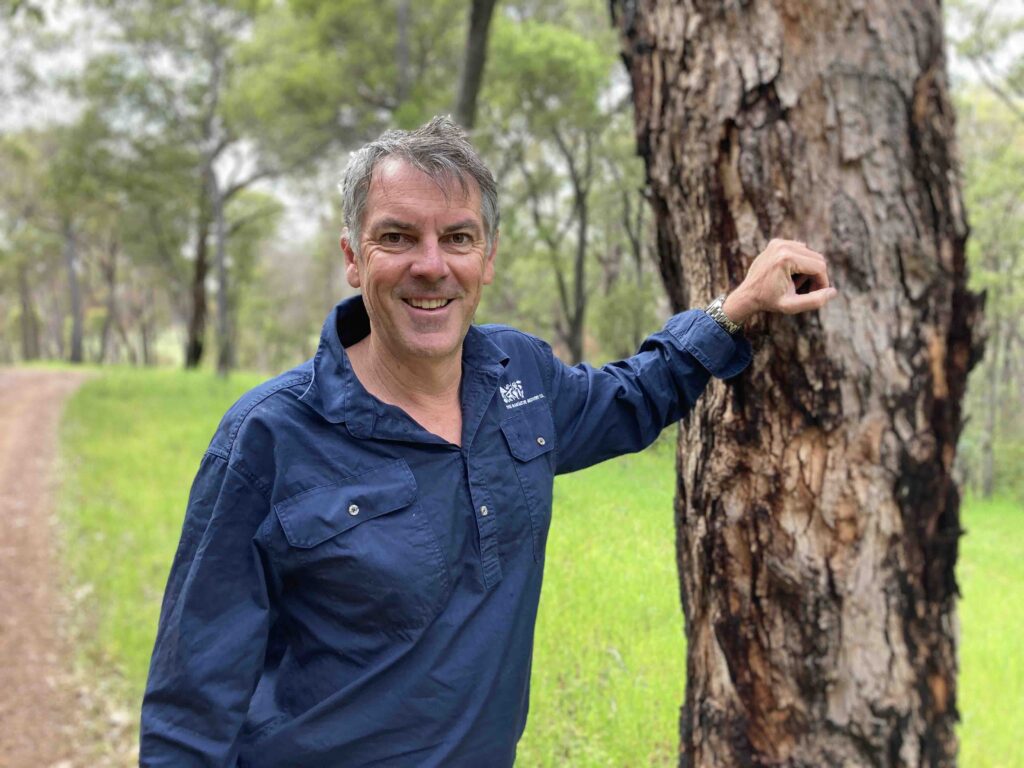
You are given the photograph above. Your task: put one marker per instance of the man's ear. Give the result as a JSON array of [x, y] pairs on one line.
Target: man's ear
[[489, 262], [351, 261]]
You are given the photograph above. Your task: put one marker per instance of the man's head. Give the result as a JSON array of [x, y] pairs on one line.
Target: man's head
[[438, 149], [421, 220]]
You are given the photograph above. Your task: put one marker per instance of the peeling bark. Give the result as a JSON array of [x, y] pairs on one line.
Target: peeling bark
[[817, 514]]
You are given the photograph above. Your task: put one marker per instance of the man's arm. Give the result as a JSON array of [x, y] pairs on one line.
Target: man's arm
[[213, 629], [622, 407]]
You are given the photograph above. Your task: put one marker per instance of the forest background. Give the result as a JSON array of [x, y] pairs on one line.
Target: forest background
[[168, 178], [168, 186]]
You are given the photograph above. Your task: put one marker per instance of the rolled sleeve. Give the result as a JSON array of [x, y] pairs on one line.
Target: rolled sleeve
[[622, 407]]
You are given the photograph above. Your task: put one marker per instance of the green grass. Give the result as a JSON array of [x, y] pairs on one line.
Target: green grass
[[608, 670], [991, 576], [610, 656]]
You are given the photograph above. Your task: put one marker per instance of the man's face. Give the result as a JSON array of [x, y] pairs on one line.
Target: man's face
[[422, 262]]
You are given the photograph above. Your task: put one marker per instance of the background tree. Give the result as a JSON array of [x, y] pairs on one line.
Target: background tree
[[993, 144], [817, 513], [546, 125], [473, 61]]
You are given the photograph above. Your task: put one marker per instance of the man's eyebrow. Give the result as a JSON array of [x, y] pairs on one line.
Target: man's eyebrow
[[392, 223], [471, 224]]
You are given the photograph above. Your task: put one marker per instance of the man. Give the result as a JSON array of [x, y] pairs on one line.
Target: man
[[360, 564]]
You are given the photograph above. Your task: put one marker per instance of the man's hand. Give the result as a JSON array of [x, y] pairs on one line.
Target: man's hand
[[786, 277]]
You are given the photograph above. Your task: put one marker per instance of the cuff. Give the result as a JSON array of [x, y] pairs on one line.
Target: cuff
[[723, 356]]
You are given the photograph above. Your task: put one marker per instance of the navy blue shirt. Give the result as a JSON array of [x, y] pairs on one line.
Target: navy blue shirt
[[352, 590]]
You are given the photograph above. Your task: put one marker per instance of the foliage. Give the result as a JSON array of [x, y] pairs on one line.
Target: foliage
[[555, 122], [992, 447]]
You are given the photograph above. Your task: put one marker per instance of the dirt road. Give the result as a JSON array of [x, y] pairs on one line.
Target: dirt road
[[37, 706]]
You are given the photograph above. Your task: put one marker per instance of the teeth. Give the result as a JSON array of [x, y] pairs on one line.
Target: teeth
[[427, 303]]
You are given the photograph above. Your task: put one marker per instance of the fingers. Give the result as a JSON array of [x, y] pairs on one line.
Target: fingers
[[813, 266], [806, 302]]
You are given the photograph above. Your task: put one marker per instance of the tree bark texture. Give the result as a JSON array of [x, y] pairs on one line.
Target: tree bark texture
[[817, 514]]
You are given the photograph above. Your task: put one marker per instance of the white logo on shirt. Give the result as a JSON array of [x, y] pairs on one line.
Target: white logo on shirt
[[514, 396], [512, 392]]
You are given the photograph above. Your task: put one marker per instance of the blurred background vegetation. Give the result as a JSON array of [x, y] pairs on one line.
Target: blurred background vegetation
[[167, 194]]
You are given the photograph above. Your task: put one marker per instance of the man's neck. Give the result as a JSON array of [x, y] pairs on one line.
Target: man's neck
[[429, 384]]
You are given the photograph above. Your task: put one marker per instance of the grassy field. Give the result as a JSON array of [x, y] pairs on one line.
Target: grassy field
[[609, 661]]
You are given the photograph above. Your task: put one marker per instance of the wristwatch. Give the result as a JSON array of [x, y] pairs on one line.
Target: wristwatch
[[718, 315]]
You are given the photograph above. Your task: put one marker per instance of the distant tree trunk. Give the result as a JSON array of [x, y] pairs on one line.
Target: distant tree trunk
[[402, 51], [145, 332], [225, 340], [992, 403], [817, 515], [110, 319], [473, 61], [197, 318], [74, 291], [29, 319]]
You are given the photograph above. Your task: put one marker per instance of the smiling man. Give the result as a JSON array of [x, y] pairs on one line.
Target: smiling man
[[361, 559]]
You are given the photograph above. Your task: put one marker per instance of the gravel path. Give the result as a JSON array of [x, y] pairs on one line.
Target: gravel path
[[38, 707]]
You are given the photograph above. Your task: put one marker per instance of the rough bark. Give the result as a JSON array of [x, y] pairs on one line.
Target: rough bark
[[817, 515], [472, 76]]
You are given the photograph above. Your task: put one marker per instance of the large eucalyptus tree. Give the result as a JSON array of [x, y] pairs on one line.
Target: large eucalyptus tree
[[817, 512]]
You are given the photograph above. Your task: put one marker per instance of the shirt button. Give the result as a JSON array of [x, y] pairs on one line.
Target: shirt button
[[483, 510], [541, 441], [353, 509]]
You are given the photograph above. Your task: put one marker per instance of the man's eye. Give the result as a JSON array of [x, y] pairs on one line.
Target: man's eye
[[392, 238], [459, 238]]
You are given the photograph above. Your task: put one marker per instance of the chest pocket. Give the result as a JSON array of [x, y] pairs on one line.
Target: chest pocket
[[363, 553], [530, 434]]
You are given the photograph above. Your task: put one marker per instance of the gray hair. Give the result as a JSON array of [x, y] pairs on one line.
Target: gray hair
[[441, 150]]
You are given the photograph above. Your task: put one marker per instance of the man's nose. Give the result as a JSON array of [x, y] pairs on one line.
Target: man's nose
[[430, 262]]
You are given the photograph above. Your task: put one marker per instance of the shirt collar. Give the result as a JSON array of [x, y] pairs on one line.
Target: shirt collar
[[335, 392]]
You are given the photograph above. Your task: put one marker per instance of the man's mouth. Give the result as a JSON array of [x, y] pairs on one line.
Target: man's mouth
[[427, 303]]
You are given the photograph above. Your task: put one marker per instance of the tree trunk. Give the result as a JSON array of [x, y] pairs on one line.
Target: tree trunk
[[225, 340], [29, 320], [403, 77], [817, 516], [110, 320], [197, 318], [992, 402], [74, 292], [473, 62]]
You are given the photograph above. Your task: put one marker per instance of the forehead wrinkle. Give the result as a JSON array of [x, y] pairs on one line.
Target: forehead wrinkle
[[445, 183]]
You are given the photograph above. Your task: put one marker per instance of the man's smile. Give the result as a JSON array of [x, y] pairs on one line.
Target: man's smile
[[428, 304]]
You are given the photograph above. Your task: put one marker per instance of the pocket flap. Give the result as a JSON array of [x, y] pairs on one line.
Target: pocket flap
[[529, 432], [311, 517]]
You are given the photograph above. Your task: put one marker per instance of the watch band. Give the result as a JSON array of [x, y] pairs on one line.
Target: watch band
[[714, 309]]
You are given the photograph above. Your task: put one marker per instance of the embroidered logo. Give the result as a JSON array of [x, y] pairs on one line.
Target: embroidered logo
[[512, 392], [513, 395]]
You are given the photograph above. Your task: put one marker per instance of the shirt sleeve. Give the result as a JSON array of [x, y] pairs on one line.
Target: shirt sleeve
[[623, 406], [213, 628]]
